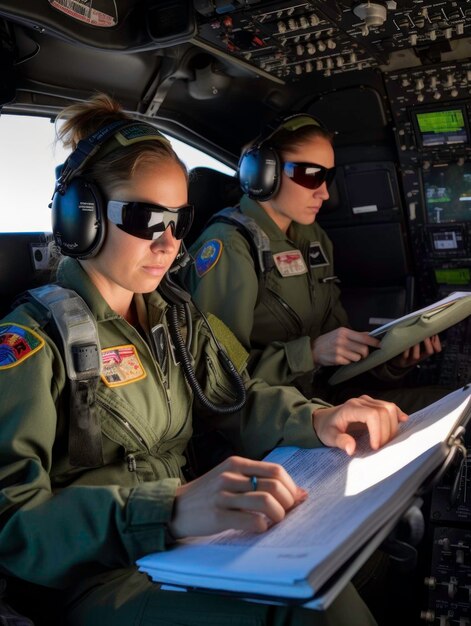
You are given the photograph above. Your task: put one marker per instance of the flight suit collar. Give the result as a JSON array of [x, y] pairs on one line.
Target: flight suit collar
[[296, 233], [254, 210]]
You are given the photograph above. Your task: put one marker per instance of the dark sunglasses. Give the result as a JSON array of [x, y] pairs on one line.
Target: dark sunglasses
[[309, 175], [149, 221]]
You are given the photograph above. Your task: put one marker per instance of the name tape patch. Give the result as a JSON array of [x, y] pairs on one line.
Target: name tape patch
[[290, 263]]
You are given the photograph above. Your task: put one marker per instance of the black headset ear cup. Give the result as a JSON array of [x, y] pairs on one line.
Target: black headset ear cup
[[259, 172], [78, 220]]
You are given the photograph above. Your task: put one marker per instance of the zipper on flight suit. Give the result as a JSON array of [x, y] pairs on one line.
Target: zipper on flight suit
[[130, 458], [291, 312], [163, 377], [163, 369], [131, 461]]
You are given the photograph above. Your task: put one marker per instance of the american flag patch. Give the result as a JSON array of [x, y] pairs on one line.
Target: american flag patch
[[121, 365]]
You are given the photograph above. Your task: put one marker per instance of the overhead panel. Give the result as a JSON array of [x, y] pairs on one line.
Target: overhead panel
[[288, 40]]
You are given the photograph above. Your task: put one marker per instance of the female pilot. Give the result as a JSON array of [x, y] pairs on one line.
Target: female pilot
[[91, 477], [291, 321]]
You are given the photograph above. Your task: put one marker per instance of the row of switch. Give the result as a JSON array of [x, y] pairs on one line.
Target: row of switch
[[444, 620], [450, 80]]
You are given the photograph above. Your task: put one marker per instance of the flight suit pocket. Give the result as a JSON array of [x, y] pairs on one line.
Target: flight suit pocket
[[218, 385], [288, 323], [117, 428]]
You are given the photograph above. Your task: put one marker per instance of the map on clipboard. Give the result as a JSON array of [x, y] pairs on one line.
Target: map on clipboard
[[406, 331]]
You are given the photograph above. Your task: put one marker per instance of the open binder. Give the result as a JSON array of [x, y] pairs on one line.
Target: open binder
[[411, 329], [354, 504]]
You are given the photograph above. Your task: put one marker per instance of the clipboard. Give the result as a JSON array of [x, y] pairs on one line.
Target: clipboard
[[368, 509], [406, 332]]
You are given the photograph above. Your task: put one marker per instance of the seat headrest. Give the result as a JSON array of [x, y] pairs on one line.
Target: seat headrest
[[209, 191]]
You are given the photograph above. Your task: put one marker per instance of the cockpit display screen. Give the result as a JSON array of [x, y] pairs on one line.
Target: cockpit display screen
[[448, 193], [442, 128]]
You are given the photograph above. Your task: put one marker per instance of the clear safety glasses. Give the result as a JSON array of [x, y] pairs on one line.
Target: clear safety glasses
[[149, 221], [309, 175]]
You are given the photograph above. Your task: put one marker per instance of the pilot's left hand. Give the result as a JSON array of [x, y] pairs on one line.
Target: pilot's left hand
[[419, 352]]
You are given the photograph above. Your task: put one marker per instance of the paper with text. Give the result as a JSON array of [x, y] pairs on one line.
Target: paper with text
[[350, 499]]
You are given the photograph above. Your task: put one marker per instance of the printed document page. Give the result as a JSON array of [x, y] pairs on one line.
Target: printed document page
[[350, 500]]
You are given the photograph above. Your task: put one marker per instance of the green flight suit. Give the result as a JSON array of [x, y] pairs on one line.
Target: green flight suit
[[275, 325], [73, 534], [277, 317]]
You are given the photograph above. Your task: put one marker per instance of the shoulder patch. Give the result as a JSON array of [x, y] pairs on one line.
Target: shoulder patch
[[17, 343], [121, 366], [207, 256]]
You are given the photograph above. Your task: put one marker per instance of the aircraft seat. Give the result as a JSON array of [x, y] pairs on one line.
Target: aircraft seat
[[371, 263], [209, 191]]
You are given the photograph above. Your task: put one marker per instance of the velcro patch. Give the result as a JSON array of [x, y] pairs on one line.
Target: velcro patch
[[290, 263], [235, 350], [139, 132], [121, 366], [207, 256], [17, 343]]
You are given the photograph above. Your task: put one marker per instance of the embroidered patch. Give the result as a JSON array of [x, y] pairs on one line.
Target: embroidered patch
[[121, 366], [290, 263], [207, 256], [17, 343], [317, 256]]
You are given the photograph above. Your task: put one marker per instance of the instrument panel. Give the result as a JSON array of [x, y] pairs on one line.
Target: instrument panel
[[288, 40]]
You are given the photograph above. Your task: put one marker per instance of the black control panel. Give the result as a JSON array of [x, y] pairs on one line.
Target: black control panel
[[288, 40], [449, 585], [431, 110], [427, 95], [447, 581]]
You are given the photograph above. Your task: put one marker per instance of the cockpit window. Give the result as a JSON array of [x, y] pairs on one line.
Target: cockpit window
[[27, 161], [28, 157]]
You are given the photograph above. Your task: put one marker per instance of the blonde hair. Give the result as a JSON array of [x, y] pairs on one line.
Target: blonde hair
[[83, 119]]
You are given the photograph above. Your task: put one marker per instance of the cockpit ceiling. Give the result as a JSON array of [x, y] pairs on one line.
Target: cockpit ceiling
[[191, 64]]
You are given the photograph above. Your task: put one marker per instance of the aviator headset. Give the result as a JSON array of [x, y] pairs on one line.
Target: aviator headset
[[80, 210], [260, 166]]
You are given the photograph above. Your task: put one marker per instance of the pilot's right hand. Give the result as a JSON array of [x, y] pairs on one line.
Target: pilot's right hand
[[336, 425], [342, 346]]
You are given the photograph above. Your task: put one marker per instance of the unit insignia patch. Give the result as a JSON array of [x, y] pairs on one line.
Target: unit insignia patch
[[207, 256], [17, 343]]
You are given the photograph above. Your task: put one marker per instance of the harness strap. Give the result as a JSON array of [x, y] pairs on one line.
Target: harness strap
[[79, 334], [257, 238]]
